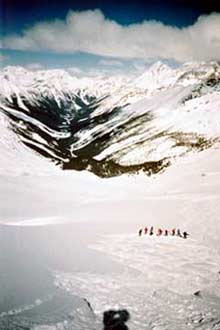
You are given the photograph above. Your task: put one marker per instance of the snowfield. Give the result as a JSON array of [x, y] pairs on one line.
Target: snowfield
[[159, 275], [162, 274], [73, 235], [157, 285]]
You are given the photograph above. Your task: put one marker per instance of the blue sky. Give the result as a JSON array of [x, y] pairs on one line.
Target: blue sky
[[19, 14], [107, 35], [83, 61]]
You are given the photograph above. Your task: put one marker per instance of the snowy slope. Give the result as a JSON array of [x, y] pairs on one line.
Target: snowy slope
[[162, 274], [112, 127]]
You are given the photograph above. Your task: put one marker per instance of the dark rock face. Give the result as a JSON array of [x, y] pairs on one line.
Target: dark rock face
[[55, 131], [197, 293]]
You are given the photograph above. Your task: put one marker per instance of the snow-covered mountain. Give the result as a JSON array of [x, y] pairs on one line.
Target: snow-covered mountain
[[112, 125]]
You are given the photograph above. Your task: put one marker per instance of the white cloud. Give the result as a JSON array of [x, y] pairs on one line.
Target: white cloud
[[34, 66], [93, 72], [75, 71], [91, 32], [107, 62], [139, 66]]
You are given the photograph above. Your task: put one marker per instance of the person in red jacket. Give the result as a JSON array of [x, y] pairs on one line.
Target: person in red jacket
[[145, 230], [173, 231], [159, 232]]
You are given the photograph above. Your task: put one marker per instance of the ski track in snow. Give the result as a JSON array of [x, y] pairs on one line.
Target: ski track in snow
[[161, 274]]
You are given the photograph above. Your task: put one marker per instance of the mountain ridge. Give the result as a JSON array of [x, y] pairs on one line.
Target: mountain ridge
[[113, 125]]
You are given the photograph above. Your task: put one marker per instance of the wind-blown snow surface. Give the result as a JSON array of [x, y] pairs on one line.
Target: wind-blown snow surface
[[158, 276], [69, 235]]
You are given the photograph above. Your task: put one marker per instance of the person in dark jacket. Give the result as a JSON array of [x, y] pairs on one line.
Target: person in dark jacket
[[185, 234], [166, 232], [179, 233], [151, 231], [140, 232]]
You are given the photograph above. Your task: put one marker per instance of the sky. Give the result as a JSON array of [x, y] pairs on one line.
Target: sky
[[108, 35]]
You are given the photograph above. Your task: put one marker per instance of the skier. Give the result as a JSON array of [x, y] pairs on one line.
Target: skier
[[151, 231], [159, 232], [140, 232], [165, 232], [185, 234], [173, 231], [145, 230], [179, 233]]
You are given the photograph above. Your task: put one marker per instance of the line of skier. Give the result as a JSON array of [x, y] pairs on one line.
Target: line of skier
[[160, 232]]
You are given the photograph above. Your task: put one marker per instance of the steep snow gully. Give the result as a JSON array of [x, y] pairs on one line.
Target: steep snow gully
[[69, 240]]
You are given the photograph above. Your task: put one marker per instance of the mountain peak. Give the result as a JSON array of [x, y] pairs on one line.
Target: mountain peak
[[156, 76], [158, 66]]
